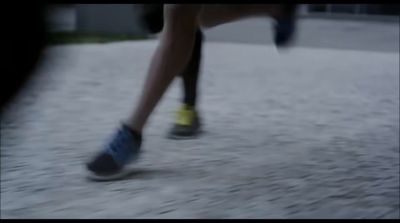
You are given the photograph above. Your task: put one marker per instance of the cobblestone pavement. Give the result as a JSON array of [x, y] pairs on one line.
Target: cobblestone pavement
[[307, 133]]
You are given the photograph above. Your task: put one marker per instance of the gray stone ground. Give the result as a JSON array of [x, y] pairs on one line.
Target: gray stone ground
[[307, 133]]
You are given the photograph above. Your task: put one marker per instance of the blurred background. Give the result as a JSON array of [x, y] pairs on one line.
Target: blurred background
[[95, 18], [309, 132]]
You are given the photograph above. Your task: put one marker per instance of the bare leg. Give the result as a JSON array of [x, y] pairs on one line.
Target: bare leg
[[216, 14], [171, 56]]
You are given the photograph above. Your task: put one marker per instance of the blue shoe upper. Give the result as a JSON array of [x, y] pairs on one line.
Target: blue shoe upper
[[124, 146]]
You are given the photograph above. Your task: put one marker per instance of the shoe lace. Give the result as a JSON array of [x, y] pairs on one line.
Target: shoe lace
[[120, 141]]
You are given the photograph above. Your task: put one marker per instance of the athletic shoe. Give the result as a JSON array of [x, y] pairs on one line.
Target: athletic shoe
[[187, 124], [110, 164]]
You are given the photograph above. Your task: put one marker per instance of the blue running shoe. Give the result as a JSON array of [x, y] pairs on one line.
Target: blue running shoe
[[123, 149]]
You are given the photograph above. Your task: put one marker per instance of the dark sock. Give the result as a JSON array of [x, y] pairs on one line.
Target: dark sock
[[191, 72]]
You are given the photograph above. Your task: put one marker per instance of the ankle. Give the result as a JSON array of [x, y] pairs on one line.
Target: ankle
[[133, 128]]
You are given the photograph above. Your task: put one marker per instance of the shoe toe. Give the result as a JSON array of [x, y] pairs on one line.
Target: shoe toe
[[103, 163]]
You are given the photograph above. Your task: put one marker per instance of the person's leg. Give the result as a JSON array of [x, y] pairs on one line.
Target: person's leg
[[191, 72], [213, 15], [152, 18], [187, 123], [170, 58], [283, 14]]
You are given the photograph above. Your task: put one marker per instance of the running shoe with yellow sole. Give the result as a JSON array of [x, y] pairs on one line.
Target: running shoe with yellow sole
[[187, 123]]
